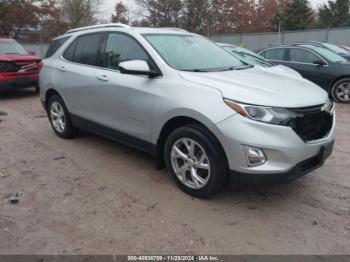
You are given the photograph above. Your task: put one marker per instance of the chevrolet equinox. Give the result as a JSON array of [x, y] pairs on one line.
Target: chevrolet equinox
[[204, 114]]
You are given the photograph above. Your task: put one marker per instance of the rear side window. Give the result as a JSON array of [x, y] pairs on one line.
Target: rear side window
[[120, 48], [302, 56], [55, 45], [86, 49], [69, 53], [274, 54]]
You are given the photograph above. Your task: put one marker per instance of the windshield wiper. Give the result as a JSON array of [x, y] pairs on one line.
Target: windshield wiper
[[196, 70], [231, 68], [244, 67]]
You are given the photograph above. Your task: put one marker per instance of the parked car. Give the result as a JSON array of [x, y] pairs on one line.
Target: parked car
[[252, 58], [18, 68], [334, 48], [320, 65], [345, 47], [177, 95]]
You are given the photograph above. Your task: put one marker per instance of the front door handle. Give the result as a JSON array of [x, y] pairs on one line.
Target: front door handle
[[102, 78], [62, 69]]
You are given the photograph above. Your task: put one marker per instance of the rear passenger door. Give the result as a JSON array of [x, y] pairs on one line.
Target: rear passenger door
[[76, 75], [275, 55], [126, 100]]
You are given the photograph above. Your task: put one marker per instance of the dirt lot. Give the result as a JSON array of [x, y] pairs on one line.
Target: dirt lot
[[93, 196]]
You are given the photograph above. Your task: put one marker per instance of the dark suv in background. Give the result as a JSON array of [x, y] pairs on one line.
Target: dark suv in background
[[317, 64]]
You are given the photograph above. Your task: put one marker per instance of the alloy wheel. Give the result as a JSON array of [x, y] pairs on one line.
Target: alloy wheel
[[190, 163], [342, 92], [58, 118]]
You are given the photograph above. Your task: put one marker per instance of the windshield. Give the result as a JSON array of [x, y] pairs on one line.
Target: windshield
[[248, 56], [11, 47], [192, 53], [331, 56], [335, 48]]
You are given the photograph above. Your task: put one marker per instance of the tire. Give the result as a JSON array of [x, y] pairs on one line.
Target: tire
[[341, 91], [213, 178], [63, 128]]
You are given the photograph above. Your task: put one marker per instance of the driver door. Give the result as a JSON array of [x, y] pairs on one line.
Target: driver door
[[302, 60], [126, 100]]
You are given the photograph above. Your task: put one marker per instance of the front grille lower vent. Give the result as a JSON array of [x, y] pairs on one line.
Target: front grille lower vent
[[312, 123]]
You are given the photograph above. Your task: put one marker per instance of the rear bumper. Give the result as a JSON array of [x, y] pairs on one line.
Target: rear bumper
[[18, 81]]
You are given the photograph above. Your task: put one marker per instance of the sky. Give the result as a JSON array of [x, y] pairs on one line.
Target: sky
[[108, 6]]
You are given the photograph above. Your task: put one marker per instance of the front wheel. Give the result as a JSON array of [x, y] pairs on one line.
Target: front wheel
[[195, 161], [341, 91]]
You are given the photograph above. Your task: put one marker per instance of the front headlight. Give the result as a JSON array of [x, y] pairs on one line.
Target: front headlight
[[271, 115]]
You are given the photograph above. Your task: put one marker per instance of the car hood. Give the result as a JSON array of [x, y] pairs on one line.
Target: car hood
[[282, 70], [9, 58], [261, 87]]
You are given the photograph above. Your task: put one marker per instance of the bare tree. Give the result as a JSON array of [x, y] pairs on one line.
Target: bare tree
[[80, 12], [121, 13], [162, 12], [197, 15]]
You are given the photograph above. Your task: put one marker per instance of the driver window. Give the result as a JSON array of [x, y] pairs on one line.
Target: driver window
[[302, 56], [121, 48]]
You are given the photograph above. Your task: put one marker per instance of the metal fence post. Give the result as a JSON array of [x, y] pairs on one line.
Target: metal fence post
[[327, 35]]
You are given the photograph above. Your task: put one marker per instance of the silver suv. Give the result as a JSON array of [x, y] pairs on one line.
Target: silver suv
[[204, 114]]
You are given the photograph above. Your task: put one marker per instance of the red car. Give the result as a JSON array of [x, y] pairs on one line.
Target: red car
[[18, 68], [345, 47]]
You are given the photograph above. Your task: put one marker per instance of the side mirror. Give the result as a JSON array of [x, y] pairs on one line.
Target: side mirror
[[31, 52], [320, 62], [136, 67]]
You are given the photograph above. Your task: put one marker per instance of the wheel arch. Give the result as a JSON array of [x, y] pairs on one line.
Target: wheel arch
[[337, 80], [177, 122], [49, 93]]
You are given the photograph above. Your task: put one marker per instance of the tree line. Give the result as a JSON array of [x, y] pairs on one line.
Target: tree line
[[41, 20], [49, 18]]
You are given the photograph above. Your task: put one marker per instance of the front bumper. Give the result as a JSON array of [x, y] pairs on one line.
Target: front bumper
[[286, 152], [18, 81], [239, 180]]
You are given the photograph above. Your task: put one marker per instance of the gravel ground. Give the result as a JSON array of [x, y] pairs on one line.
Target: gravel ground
[[93, 196]]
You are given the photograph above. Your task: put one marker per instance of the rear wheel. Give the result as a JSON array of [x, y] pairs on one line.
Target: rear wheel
[[59, 117], [341, 91], [195, 161]]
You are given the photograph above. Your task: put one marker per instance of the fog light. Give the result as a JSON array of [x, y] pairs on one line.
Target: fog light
[[254, 156]]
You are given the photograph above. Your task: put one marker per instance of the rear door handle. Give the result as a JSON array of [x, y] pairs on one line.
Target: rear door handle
[[102, 78]]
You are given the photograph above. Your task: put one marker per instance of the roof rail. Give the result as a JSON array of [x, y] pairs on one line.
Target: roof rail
[[313, 43], [96, 27], [175, 29]]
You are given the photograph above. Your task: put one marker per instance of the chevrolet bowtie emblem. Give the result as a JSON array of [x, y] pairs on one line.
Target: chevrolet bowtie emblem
[[327, 107]]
